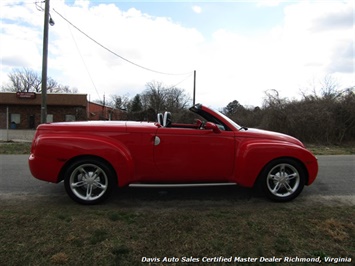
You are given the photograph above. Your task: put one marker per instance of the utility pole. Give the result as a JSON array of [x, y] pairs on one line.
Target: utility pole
[[103, 109], [44, 64], [194, 96]]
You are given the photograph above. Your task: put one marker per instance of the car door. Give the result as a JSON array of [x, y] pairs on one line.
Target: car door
[[194, 155]]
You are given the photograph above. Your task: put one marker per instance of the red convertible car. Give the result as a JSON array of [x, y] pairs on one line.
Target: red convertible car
[[94, 157]]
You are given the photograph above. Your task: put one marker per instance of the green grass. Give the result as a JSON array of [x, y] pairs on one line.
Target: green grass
[[15, 147], [52, 233]]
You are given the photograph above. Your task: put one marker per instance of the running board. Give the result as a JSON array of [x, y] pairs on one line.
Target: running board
[[182, 185]]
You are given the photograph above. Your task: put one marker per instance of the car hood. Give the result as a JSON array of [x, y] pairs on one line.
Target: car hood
[[265, 134]]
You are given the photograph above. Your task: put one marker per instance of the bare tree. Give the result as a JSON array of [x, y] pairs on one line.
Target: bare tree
[[52, 85], [154, 96], [27, 80], [329, 87], [119, 102], [24, 80], [161, 98], [176, 99]]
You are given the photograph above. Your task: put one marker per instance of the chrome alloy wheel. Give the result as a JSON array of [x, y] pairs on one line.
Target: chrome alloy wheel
[[283, 180], [88, 182]]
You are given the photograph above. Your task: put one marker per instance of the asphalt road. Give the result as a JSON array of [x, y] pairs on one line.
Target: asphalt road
[[336, 177]]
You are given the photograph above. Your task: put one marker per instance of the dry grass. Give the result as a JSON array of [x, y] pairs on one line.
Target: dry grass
[[50, 233], [337, 230], [321, 149], [15, 147]]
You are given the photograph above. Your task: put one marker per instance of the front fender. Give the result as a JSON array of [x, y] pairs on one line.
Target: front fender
[[253, 156], [51, 153]]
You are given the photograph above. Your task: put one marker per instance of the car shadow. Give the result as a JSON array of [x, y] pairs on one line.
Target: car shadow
[[223, 194], [163, 197]]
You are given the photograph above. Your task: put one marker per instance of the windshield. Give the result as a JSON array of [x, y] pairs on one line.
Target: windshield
[[214, 117], [229, 120]]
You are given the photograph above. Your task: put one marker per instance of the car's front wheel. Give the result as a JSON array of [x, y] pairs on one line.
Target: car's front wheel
[[282, 180], [89, 181]]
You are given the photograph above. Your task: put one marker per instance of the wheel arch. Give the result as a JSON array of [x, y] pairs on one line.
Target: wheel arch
[[63, 150], [77, 158], [254, 156], [89, 180], [298, 161], [277, 183]]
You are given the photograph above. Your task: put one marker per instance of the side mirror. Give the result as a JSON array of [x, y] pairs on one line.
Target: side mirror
[[213, 126]]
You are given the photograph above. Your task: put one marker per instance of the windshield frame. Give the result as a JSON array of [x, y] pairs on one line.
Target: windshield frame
[[214, 116], [238, 127]]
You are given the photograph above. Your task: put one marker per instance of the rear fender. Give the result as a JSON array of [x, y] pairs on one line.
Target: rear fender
[[64, 149]]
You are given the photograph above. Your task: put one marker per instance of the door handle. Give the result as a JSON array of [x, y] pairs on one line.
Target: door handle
[[156, 141]]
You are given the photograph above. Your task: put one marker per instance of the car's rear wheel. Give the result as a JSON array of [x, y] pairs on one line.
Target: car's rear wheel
[[282, 180], [89, 181]]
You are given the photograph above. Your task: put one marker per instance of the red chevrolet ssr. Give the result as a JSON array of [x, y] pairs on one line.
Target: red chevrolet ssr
[[94, 157]]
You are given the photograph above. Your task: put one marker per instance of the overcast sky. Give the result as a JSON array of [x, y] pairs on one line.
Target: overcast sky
[[239, 49]]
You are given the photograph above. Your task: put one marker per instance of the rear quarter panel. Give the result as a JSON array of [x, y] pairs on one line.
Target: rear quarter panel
[[127, 147], [52, 152]]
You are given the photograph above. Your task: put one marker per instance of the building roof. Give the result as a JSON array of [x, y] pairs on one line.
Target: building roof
[[53, 99]]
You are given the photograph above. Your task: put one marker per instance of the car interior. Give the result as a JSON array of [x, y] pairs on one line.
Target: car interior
[[166, 121]]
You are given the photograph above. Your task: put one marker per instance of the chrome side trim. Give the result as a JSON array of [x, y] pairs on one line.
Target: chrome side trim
[[182, 185]]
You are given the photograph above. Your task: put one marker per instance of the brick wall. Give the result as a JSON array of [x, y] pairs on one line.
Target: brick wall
[[30, 115]]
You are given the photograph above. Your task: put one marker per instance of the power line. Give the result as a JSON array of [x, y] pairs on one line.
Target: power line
[[82, 59], [183, 80], [112, 52]]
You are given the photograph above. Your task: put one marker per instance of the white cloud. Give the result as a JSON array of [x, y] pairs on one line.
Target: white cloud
[[269, 3], [229, 65], [153, 42], [197, 9]]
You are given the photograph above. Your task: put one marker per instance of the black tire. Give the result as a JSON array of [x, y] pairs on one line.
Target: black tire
[[89, 181], [282, 180]]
